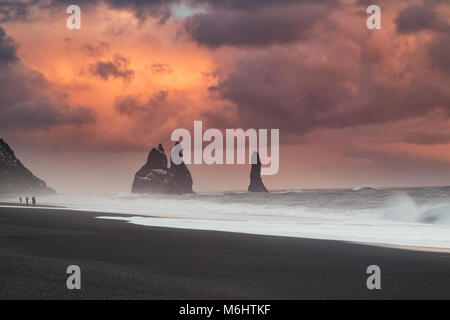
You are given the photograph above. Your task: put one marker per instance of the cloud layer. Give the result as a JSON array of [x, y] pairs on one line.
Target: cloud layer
[[267, 26], [117, 68], [26, 100], [8, 49], [352, 98]]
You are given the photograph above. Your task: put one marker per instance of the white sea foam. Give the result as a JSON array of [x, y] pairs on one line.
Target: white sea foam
[[412, 217]]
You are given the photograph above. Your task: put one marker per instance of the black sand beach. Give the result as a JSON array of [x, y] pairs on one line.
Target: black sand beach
[[124, 261]]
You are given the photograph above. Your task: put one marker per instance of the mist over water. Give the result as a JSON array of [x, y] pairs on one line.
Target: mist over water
[[425, 205], [413, 217]]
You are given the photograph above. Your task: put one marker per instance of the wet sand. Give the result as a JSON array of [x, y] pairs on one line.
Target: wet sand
[[124, 261]]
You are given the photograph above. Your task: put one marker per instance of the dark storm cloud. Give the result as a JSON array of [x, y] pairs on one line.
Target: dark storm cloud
[[439, 51], [118, 68], [156, 116], [15, 10], [11, 10], [274, 25], [428, 17], [142, 9], [8, 48], [281, 89], [43, 114], [131, 106], [416, 18], [425, 16], [23, 103], [256, 4], [20, 10]]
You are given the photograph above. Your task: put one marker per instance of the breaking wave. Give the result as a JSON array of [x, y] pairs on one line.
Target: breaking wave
[[413, 217], [405, 208]]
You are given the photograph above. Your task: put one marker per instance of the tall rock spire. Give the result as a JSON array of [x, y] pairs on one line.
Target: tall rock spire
[[256, 183]]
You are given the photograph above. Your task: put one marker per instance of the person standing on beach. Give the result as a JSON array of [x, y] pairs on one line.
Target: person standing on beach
[[26, 198], [33, 200]]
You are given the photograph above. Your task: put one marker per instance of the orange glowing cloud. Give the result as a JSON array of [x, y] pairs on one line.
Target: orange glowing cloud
[[351, 104]]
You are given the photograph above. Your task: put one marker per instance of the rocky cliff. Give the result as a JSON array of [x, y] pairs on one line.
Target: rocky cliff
[[156, 177], [256, 183], [15, 178]]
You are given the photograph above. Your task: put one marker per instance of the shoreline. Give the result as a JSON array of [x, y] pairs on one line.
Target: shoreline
[[125, 261], [128, 218], [404, 247]]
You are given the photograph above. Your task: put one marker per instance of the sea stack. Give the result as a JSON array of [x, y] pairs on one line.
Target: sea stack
[[156, 177], [256, 183], [182, 179], [15, 178]]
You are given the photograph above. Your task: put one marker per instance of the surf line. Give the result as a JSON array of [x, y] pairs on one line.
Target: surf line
[[128, 217]]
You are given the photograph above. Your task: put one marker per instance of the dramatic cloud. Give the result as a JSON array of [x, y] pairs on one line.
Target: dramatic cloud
[[439, 51], [131, 106], [347, 100], [416, 18], [26, 100], [255, 4], [11, 10], [330, 85], [142, 9], [95, 51], [274, 25], [24, 103], [118, 68], [227, 14], [320, 99], [8, 49], [422, 17], [152, 119]]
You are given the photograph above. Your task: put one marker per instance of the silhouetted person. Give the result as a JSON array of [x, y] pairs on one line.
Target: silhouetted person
[[33, 200], [20, 199], [27, 200]]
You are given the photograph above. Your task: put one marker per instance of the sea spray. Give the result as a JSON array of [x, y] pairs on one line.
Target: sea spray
[[414, 217]]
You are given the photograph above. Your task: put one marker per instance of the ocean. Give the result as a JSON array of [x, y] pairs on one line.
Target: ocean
[[417, 217]]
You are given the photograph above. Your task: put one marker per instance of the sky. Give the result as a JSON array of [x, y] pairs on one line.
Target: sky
[[82, 108]]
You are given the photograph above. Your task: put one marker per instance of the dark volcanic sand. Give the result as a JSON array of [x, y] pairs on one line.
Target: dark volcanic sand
[[120, 260]]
